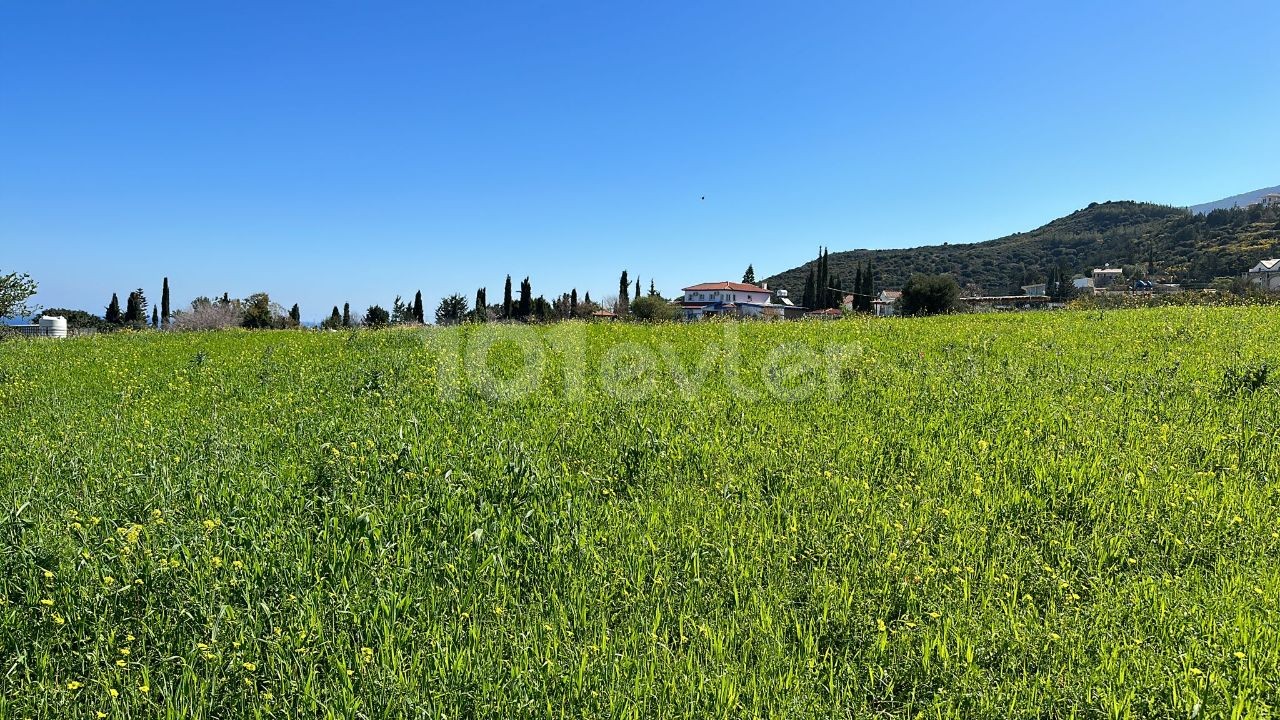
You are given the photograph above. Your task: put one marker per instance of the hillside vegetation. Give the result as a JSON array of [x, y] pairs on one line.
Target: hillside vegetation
[[1179, 245], [1016, 516]]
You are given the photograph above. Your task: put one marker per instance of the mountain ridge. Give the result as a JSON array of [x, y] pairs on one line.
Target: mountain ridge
[[1167, 241]]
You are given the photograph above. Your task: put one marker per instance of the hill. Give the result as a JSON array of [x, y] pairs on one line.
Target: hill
[[1179, 244], [1241, 200]]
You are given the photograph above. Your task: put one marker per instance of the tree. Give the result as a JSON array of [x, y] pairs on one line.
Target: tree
[[624, 288], [929, 295], [258, 313], [135, 312], [164, 304], [809, 298], [653, 289], [507, 306], [868, 288], [526, 299], [226, 299], [749, 277], [542, 310], [417, 308], [334, 321], [653, 309], [15, 290], [112, 314], [155, 318], [573, 303], [401, 312], [451, 310], [637, 288], [346, 314], [295, 315], [376, 316], [205, 314]]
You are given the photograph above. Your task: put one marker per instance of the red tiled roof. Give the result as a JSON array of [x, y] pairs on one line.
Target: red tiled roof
[[725, 285]]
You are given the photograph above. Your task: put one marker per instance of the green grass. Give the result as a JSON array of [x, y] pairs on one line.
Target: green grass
[[1034, 515]]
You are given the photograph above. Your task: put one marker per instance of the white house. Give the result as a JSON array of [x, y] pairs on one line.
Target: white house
[[1083, 284], [1036, 289], [724, 298], [1265, 274], [884, 303]]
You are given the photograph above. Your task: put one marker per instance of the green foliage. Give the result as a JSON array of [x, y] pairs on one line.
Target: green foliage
[[749, 277], [113, 314], [1186, 248], [257, 312], [334, 321], [652, 308], [451, 310], [377, 317], [135, 313], [165, 313], [929, 295], [15, 290]]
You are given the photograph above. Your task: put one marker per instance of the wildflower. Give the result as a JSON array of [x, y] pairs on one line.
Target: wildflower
[[58, 619], [47, 602], [144, 688], [217, 561], [48, 574], [108, 580], [1239, 655], [113, 693], [366, 654], [267, 696], [121, 663], [74, 685], [249, 666]]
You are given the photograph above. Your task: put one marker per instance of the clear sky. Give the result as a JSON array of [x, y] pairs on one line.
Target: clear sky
[[331, 151]]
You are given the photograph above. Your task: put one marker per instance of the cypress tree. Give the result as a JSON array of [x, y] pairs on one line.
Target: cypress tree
[[526, 298], [506, 300], [155, 318], [637, 288], [868, 288], [857, 289], [417, 308], [295, 314], [624, 288], [586, 299], [482, 305], [226, 299], [346, 314], [573, 303], [335, 318], [164, 304], [112, 314], [806, 299]]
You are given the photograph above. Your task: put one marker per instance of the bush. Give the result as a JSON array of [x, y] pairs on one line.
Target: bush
[[929, 295], [652, 308]]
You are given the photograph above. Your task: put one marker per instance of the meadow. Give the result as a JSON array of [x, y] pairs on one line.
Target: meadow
[[1048, 515]]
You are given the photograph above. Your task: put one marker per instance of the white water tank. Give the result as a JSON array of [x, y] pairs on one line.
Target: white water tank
[[53, 326]]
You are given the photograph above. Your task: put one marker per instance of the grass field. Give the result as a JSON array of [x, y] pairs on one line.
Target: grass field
[[1030, 515]]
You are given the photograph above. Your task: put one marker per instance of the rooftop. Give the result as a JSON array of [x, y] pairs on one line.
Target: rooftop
[[725, 285]]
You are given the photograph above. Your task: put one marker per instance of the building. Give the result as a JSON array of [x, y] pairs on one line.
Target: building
[[1269, 200], [604, 315], [1265, 274], [1083, 284], [1104, 278], [1036, 289], [825, 314], [725, 298], [885, 304]]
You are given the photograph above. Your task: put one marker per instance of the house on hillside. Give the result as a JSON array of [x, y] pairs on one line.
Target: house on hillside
[[1035, 289], [1269, 200], [1266, 274], [1083, 285], [885, 304], [725, 298], [1104, 278]]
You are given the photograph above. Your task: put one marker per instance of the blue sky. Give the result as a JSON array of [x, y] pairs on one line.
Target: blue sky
[[349, 151]]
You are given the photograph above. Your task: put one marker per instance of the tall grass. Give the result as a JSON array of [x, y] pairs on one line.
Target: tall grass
[[1035, 515]]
